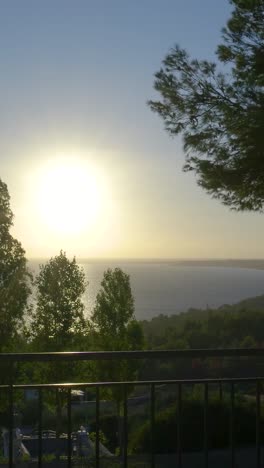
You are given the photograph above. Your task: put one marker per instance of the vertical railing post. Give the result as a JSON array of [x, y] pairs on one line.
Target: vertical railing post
[[40, 428], [69, 428], [232, 395], [258, 447], [206, 425], [58, 422], [97, 416], [11, 414], [220, 391], [11, 424], [125, 427], [153, 432], [179, 442]]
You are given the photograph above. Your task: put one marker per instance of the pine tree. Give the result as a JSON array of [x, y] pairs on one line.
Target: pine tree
[[220, 116]]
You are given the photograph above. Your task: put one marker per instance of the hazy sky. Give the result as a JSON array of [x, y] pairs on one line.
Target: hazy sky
[[75, 78]]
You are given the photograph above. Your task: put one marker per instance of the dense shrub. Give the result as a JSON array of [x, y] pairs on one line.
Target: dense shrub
[[219, 413]]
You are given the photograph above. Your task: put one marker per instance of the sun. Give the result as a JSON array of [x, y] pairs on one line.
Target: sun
[[69, 197]]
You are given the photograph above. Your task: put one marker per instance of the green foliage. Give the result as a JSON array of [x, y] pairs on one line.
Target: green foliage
[[58, 317], [220, 116], [25, 458], [48, 458], [113, 321], [109, 427], [192, 425], [115, 328], [15, 278], [114, 309], [58, 322], [248, 342], [224, 327], [102, 437]]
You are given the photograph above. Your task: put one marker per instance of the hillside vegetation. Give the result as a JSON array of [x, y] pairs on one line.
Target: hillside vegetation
[[238, 325]]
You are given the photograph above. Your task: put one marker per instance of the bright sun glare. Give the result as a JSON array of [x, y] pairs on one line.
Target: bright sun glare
[[69, 197]]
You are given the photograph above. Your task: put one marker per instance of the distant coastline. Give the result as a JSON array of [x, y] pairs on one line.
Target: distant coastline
[[255, 264], [250, 264]]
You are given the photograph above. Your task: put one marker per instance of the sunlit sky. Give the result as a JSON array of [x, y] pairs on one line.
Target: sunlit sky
[[89, 167]]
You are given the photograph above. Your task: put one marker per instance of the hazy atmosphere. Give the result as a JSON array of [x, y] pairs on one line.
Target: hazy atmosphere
[[131, 233], [88, 166]]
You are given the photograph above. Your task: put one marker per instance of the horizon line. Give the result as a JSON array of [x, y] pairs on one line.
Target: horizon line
[[157, 259]]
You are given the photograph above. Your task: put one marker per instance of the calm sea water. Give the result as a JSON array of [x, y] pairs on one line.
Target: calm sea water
[[168, 288]]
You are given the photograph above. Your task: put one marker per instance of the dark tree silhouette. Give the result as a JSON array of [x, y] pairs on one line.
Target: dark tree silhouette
[[221, 116], [15, 278]]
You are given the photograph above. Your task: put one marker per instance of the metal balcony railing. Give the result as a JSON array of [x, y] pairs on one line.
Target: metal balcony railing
[[231, 384]]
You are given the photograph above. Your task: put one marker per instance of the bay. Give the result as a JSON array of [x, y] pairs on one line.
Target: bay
[[170, 288]]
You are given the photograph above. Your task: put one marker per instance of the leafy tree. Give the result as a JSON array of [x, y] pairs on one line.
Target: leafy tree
[[58, 318], [114, 310], [220, 116], [114, 326], [113, 320], [15, 278], [58, 322], [115, 329]]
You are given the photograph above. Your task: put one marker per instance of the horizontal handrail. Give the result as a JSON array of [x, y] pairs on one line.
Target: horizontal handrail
[[146, 354], [67, 385]]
